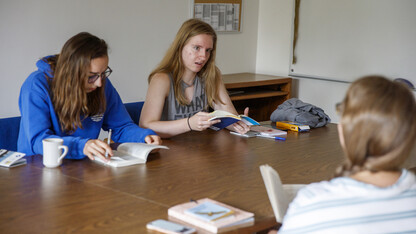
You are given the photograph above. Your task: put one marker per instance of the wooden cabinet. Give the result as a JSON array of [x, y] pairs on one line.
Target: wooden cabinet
[[261, 93]]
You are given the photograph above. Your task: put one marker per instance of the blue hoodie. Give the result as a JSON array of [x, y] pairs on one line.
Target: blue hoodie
[[39, 120]]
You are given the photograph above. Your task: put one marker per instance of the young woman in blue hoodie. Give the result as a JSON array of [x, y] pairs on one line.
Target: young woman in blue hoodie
[[70, 97]]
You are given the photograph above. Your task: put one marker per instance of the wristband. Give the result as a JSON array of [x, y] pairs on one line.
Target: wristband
[[189, 124]]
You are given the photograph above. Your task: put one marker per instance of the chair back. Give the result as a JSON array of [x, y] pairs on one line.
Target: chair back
[[134, 109], [9, 132]]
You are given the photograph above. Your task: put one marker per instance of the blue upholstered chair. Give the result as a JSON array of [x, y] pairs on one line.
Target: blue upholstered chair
[[9, 131], [134, 109]]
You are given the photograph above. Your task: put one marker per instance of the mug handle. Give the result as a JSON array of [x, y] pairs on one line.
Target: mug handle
[[65, 148]]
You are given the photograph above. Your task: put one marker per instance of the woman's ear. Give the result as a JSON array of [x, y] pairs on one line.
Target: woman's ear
[[341, 135]]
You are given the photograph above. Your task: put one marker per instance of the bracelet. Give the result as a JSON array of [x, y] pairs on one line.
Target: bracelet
[[189, 124]]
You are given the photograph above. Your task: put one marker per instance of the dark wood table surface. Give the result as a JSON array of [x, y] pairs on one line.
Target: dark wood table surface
[[82, 196]]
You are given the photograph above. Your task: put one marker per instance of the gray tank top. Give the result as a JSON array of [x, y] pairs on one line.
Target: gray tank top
[[172, 110]]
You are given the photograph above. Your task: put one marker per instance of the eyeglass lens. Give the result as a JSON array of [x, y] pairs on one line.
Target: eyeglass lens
[[103, 75]]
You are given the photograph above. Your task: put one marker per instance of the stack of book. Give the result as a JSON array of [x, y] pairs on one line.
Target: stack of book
[[211, 215]]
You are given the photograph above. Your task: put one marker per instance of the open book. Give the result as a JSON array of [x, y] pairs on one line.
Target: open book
[[211, 215], [11, 158], [279, 195], [227, 119], [128, 154]]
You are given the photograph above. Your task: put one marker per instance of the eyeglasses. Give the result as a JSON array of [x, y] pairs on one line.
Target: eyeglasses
[[105, 74]]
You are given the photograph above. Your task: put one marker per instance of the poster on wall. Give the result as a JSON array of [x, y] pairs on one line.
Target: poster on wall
[[223, 16]]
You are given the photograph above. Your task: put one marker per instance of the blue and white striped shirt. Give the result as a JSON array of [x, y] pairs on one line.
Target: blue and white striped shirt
[[345, 205]]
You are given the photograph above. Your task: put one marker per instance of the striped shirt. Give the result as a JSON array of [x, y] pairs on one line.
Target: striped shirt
[[345, 205]]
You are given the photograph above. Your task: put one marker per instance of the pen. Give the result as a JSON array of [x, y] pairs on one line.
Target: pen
[[108, 141], [272, 137]]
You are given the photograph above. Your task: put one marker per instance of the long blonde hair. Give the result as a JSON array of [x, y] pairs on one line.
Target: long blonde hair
[[70, 73], [378, 125], [172, 62]]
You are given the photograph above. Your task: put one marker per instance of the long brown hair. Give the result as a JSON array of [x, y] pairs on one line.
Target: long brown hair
[[70, 73], [172, 62], [378, 125]]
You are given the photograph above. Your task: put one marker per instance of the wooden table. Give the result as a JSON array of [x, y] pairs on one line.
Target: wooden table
[[82, 196]]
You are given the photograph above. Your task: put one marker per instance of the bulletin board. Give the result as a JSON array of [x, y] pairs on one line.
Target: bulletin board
[[222, 15]]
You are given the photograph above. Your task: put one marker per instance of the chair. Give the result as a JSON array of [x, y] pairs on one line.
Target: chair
[[134, 109], [9, 132]]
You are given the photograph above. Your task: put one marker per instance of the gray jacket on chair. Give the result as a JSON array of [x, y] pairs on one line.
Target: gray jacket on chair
[[300, 112]]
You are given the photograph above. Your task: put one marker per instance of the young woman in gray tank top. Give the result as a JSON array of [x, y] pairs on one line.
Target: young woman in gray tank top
[[186, 83]]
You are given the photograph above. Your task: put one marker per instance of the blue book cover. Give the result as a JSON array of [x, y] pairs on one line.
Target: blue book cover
[[228, 119]]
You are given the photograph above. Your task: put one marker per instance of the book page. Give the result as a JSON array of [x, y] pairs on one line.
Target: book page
[[291, 190], [221, 113], [139, 150], [129, 154], [277, 196]]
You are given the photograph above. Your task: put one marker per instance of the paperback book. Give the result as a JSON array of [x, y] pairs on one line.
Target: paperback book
[[127, 154], [293, 126], [11, 158], [280, 195], [211, 215], [227, 119]]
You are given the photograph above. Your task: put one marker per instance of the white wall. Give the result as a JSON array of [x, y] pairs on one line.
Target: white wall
[[273, 56], [138, 34]]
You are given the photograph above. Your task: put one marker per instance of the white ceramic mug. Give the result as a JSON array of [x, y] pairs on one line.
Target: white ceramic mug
[[52, 156]]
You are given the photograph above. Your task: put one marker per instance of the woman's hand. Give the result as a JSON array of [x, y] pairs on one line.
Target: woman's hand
[[97, 148], [153, 140], [240, 126], [200, 121]]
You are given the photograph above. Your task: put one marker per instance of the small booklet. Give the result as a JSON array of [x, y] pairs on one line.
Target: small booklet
[[11, 158], [279, 195], [211, 215], [127, 154], [267, 131], [227, 119]]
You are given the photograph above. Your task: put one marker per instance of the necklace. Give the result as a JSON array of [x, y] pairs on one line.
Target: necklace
[[185, 85]]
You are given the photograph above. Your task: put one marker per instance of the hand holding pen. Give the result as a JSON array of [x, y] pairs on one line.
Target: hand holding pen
[[108, 142], [98, 148]]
